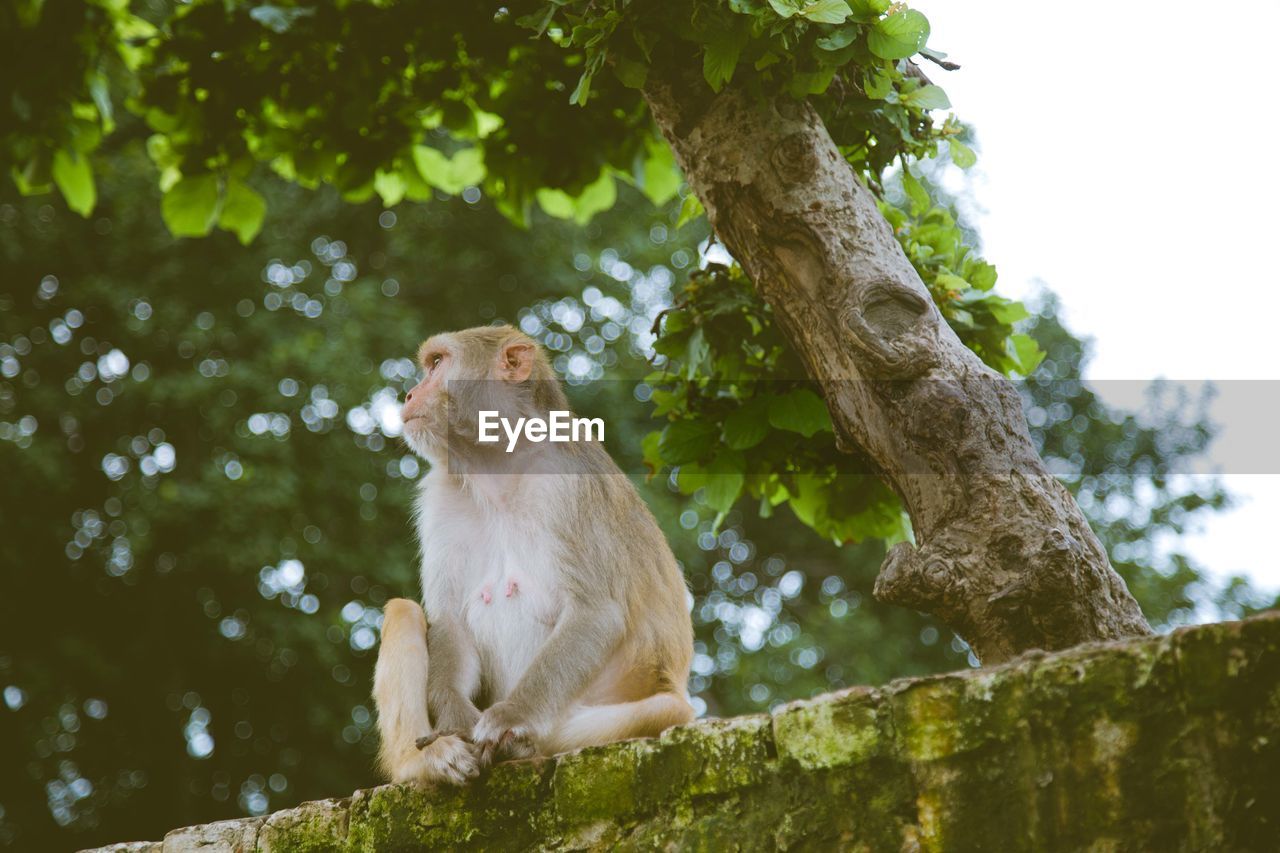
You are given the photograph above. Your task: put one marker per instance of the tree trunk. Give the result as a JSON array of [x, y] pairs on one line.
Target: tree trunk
[[1003, 555]]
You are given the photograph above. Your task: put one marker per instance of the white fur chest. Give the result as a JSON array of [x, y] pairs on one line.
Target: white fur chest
[[492, 566]]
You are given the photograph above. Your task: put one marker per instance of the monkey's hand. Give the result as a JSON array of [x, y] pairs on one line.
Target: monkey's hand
[[503, 733], [444, 759]]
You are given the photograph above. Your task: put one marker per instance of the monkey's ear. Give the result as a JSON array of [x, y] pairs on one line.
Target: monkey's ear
[[515, 361]]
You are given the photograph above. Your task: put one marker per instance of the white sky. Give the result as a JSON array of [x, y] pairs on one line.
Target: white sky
[[1126, 160]]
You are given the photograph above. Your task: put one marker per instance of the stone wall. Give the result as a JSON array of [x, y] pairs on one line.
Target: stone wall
[[1160, 744]]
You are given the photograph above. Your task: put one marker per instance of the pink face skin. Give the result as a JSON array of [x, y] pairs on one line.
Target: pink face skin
[[420, 402]]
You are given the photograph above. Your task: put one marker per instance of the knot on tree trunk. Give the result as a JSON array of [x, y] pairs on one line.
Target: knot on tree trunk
[[1033, 586], [922, 579], [891, 324], [794, 157]]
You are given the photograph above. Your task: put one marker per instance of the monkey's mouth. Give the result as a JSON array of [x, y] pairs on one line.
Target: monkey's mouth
[[416, 425], [419, 428]]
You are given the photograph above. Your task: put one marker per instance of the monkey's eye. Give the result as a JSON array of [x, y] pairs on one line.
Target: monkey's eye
[[435, 360]]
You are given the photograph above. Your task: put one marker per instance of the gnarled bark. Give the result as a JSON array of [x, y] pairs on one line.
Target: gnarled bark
[[1003, 555]]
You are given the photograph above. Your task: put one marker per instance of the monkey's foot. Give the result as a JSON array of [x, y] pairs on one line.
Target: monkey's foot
[[511, 746], [441, 758]]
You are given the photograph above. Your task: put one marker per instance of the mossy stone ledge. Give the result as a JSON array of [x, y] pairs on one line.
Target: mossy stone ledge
[[1155, 744]]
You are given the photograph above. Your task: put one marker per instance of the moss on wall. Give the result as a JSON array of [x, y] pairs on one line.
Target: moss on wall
[[1162, 743]]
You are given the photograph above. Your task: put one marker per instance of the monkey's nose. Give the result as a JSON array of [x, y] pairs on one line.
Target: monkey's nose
[[408, 398]]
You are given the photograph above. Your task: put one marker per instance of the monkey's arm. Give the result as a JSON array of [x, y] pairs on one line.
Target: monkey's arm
[[582, 640], [453, 677]]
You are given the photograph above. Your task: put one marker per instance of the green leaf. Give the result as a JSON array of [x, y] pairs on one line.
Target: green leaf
[[539, 20], [450, 174], [800, 411], [359, 194], [826, 11], [629, 72], [916, 193], [809, 498], [720, 56], [33, 178], [690, 209], [673, 323], [839, 39], [772, 491], [690, 477], [666, 402], [74, 176], [696, 351], [582, 92], [982, 275], [1025, 352], [784, 8], [746, 426], [869, 10], [660, 176], [466, 169], [389, 186], [687, 441], [877, 83], [100, 91], [486, 122], [928, 97], [810, 83], [900, 35], [596, 198], [557, 203], [961, 319], [189, 206], [652, 458], [243, 211], [599, 195], [1009, 312], [725, 477], [766, 60], [962, 155]]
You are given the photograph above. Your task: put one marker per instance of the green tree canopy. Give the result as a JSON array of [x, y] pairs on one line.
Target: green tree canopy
[[537, 105], [537, 102]]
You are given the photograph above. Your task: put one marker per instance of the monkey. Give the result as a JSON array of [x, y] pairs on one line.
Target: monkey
[[554, 615]]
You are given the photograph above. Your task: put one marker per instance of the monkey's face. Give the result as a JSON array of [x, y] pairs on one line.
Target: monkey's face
[[463, 373], [426, 406]]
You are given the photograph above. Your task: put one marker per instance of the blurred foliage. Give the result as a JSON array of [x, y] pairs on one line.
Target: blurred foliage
[[540, 102], [205, 501], [204, 496]]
